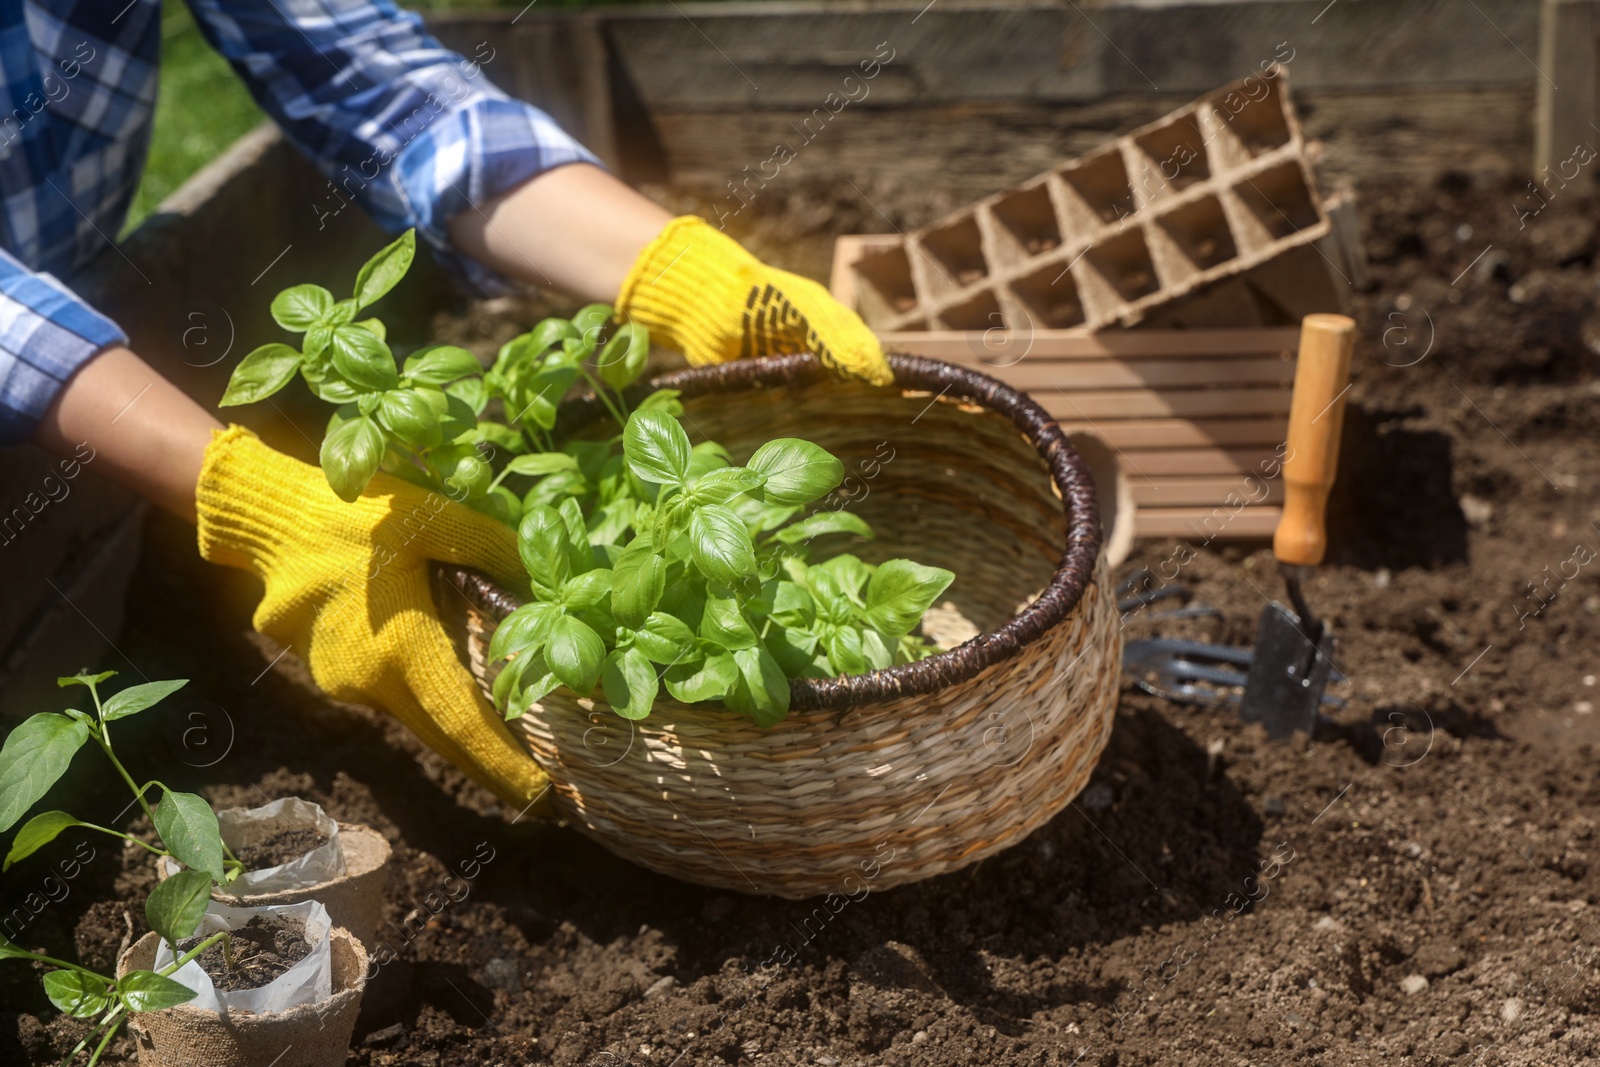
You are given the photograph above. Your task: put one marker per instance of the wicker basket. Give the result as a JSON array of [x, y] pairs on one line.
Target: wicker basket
[[889, 777]]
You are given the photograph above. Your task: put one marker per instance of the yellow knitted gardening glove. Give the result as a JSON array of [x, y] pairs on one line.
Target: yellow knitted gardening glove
[[697, 290], [348, 590]]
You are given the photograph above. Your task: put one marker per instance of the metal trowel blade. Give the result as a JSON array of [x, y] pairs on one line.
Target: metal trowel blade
[[1288, 673]]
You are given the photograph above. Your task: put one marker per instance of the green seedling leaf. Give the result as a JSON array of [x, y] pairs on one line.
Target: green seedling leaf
[[342, 313], [471, 393], [552, 489], [710, 679], [440, 365], [583, 592], [542, 541], [724, 484], [327, 385], [579, 555], [137, 698], [638, 579], [656, 448], [314, 345], [575, 654], [411, 417], [724, 624], [384, 270], [665, 639], [34, 756], [721, 546], [624, 357], [85, 679], [590, 320], [188, 827], [821, 524], [460, 468], [784, 602], [900, 591], [706, 457], [362, 359], [375, 327], [794, 649], [350, 456], [260, 374], [149, 991], [878, 652], [175, 907], [36, 833], [847, 574], [539, 464], [301, 307], [797, 471], [79, 995], [612, 521], [629, 682], [763, 694]]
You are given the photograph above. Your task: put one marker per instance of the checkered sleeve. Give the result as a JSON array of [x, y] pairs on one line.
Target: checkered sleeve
[[46, 334], [412, 131]]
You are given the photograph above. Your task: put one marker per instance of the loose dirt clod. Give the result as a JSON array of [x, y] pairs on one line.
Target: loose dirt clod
[[280, 848], [261, 950]]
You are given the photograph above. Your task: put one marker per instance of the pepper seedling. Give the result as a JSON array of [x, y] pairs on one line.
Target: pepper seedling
[[35, 756]]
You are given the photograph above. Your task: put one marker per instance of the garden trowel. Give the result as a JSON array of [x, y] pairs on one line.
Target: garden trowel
[[1294, 648]]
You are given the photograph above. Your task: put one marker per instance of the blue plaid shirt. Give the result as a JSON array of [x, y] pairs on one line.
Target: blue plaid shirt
[[410, 130]]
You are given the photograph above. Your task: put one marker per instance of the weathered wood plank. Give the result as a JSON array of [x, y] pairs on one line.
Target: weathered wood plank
[[1066, 405], [1183, 433], [1204, 524], [1569, 35], [1204, 490]]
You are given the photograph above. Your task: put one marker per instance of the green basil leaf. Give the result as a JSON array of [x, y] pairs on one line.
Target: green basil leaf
[[843, 577], [384, 270], [764, 692], [638, 578], [36, 754], [79, 995], [797, 471], [471, 392], [149, 991], [656, 448], [584, 591], [343, 313], [624, 357], [629, 682], [665, 401], [534, 396], [784, 602], [844, 650], [375, 327], [188, 827], [441, 365], [465, 473], [330, 387], [900, 591], [794, 649], [534, 684], [316, 341], [260, 374], [301, 307], [590, 320], [174, 907], [721, 546], [665, 639], [724, 624], [710, 679], [36, 833], [580, 556], [526, 628], [410, 417], [363, 359], [350, 456], [542, 541], [137, 698], [575, 654], [820, 524], [876, 650], [612, 521], [724, 484], [539, 464]]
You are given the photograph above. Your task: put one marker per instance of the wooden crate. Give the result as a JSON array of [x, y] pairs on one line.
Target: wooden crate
[[1198, 417]]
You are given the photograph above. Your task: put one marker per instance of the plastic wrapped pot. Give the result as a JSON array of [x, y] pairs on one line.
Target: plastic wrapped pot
[[352, 890], [896, 775], [309, 1035]]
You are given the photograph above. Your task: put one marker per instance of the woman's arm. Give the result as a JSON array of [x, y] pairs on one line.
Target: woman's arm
[[145, 432]]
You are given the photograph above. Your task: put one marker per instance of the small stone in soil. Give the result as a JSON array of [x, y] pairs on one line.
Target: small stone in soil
[[1098, 797], [262, 949], [501, 973], [280, 848], [1412, 984], [386, 1035]]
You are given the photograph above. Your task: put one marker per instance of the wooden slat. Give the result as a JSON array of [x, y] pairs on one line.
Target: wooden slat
[[1207, 490], [1184, 433], [1567, 45], [1031, 374], [1202, 524], [1154, 463], [1046, 345], [1079, 405]]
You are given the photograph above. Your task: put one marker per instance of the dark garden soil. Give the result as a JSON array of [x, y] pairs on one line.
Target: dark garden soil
[[1418, 885], [282, 847], [260, 952]]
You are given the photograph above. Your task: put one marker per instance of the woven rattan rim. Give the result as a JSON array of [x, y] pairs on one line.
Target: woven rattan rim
[[945, 381]]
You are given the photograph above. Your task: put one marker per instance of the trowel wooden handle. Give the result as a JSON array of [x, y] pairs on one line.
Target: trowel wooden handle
[[1316, 417]]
